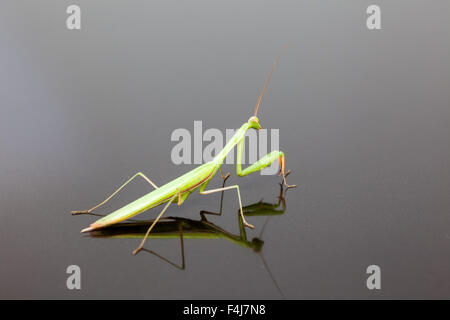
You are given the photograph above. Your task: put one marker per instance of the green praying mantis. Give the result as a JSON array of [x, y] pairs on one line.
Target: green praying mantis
[[177, 190]]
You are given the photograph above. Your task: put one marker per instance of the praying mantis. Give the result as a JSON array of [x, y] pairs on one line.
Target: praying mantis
[[180, 188]]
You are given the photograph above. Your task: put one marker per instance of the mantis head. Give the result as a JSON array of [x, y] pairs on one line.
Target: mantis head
[[254, 123], [257, 244]]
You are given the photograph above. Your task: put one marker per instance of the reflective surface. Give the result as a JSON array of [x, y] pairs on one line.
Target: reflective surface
[[364, 121]]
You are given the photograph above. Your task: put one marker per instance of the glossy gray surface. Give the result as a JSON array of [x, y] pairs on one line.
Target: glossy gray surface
[[364, 120]]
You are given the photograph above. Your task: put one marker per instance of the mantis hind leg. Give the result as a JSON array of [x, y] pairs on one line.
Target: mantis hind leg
[[141, 245], [139, 174], [183, 264]]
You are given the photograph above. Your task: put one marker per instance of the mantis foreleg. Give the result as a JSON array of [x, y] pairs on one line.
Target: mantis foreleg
[[139, 174], [261, 163]]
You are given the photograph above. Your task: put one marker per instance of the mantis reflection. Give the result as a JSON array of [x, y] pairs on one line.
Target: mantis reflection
[[184, 228]]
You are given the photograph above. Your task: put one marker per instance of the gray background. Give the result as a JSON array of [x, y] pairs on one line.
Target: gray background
[[363, 116]]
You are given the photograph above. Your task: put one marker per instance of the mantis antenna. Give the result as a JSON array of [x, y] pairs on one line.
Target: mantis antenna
[[258, 103]]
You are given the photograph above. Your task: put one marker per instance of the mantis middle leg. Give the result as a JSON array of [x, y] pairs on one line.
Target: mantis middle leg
[[239, 198], [203, 212]]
